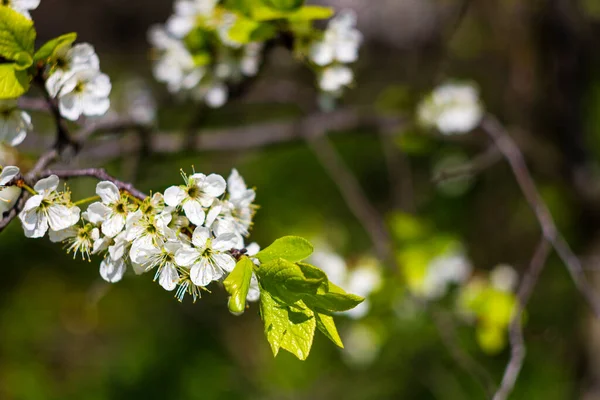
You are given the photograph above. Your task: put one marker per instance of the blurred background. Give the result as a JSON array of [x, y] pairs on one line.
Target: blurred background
[[66, 334]]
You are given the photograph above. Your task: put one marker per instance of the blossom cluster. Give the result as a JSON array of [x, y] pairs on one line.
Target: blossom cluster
[[23, 7], [189, 237], [76, 81], [195, 55], [338, 47]]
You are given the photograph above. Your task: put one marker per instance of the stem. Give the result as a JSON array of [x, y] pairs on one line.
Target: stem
[[86, 200], [28, 188]]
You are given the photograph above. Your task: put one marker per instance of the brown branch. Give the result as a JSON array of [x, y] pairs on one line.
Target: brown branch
[[517, 343], [515, 159], [63, 139], [33, 104], [99, 174]]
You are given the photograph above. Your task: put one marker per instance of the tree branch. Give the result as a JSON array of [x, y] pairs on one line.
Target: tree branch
[[517, 353], [473, 167], [515, 159], [99, 174]]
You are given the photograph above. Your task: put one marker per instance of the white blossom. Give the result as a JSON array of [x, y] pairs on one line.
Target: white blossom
[[69, 60], [148, 234], [112, 271], [251, 58], [85, 92], [14, 123], [254, 290], [47, 209], [22, 6], [452, 108], [8, 194], [187, 13], [198, 193], [8, 174], [333, 79], [78, 239], [112, 210], [175, 65], [207, 257], [504, 277], [449, 268], [340, 42], [233, 215]]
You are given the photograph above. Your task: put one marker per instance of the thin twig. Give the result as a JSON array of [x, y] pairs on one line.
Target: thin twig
[[468, 364], [99, 174], [473, 167], [353, 195], [517, 343], [514, 157]]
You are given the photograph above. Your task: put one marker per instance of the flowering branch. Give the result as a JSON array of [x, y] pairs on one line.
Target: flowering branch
[[99, 174]]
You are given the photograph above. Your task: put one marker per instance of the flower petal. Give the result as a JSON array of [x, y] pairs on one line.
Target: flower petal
[[194, 211], [200, 237], [108, 192], [224, 261], [112, 271], [186, 256], [169, 277], [47, 184], [174, 196]]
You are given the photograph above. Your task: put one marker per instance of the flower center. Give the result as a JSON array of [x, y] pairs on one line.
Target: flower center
[[193, 192]]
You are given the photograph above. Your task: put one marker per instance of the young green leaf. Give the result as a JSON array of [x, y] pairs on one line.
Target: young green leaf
[[238, 283], [284, 5], [291, 328], [298, 337], [275, 319], [286, 281], [290, 248], [13, 82], [17, 36], [241, 31], [48, 49], [326, 325], [309, 13]]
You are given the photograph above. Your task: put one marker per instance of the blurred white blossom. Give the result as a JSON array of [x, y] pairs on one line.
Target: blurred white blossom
[[452, 108], [14, 123], [23, 7]]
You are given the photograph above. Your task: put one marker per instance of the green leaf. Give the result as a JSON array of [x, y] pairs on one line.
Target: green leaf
[[238, 283], [13, 82], [309, 13], [241, 31], [326, 325], [332, 301], [48, 50], [289, 327], [286, 281], [275, 319], [284, 5], [300, 331], [17, 37], [290, 248]]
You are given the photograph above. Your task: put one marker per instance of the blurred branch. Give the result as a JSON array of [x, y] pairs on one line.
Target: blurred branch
[[515, 159], [33, 104], [468, 364], [246, 137], [476, 165], [517, 343]]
